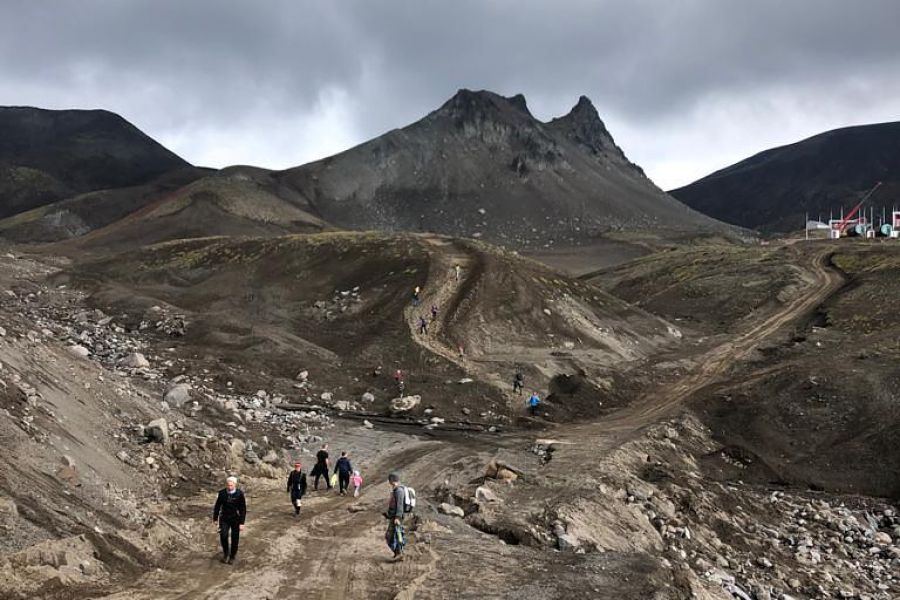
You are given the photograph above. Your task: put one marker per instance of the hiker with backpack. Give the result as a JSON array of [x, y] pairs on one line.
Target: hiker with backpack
[[321, 468], [533, 403], [296, 486], [229, 514], [344, 469], [518, 382], [423, 326], [401, 502]]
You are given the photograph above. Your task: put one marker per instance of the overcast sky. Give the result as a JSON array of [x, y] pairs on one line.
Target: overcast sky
[[685, 87]]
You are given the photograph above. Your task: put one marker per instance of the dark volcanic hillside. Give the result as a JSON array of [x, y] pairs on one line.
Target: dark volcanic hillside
[[49, 155], [774, 189], [483, 166]]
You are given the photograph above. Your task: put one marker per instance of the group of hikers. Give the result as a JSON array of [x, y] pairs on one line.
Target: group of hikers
[[230, 510]]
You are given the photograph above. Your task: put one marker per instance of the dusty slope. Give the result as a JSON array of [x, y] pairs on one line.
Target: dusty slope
[[236, 201], [78, 215], [708, 288], [774, 189], [343, 301], [48, 155], [820, 409], [628, 506], [482, 165]]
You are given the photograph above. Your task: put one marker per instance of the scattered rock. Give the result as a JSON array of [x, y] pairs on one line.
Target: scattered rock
[[453, 511], [368, 424], [135, 360], [883, 539], [79, 351], [178, 394], [484, 494], [568, 542], [405, 403], [157, 431]]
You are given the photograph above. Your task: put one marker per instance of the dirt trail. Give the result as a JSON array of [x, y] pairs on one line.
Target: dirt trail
[[328, 552], [444, 291], [656, 405]]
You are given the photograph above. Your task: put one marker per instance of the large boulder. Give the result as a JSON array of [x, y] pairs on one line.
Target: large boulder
[[405, 403], [79, 351], [451, 510], [157, 431], [178, 394], [500, 470], [484, 495], [135, 360]]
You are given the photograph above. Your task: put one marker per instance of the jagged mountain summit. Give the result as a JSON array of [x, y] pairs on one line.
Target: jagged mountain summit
[[479, 166], [49, 155], [483, 166], [775, 189]]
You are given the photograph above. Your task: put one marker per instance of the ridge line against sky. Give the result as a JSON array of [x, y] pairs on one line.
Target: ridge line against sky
[[685, 88]]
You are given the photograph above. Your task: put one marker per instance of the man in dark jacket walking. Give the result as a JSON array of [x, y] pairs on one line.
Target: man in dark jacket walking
[[395, 536], [321, 468], [296, 486], [229, 513], [344, 469]]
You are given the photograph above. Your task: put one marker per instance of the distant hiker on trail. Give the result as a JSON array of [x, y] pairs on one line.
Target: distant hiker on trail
[[229, 514], [533, 403], [415, 296], [423, 326], [398, 376], [296, 486], [344, 469], [356, 481], [457, 269], [395, 536], [518, 382], [434, 313], [321, 467]]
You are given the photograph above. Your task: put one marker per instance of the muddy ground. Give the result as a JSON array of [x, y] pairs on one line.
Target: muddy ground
[[704, 444]]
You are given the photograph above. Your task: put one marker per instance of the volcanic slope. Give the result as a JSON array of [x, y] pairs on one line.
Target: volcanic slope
[[79, 215], [49, 155], [482, 166], [773, 190], [236, 201], [340, 303]]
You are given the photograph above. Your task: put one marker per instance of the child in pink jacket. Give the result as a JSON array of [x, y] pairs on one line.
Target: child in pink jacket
[[356, 482]]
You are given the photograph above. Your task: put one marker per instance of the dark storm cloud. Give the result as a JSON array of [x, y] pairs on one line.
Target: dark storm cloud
[[683, 85]]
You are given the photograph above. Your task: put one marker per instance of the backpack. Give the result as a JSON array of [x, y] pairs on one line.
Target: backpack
[[409, 499]]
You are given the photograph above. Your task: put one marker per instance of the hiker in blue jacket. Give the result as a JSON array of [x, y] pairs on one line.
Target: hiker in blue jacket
[[533, 403], [344, 469]]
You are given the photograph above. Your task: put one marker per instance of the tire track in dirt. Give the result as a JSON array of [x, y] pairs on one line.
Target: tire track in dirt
[[658, 404]]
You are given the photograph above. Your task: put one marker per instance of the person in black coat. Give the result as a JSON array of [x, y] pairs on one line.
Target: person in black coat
[[321, 468], [344, 469], [296, 486], [229, 513]]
